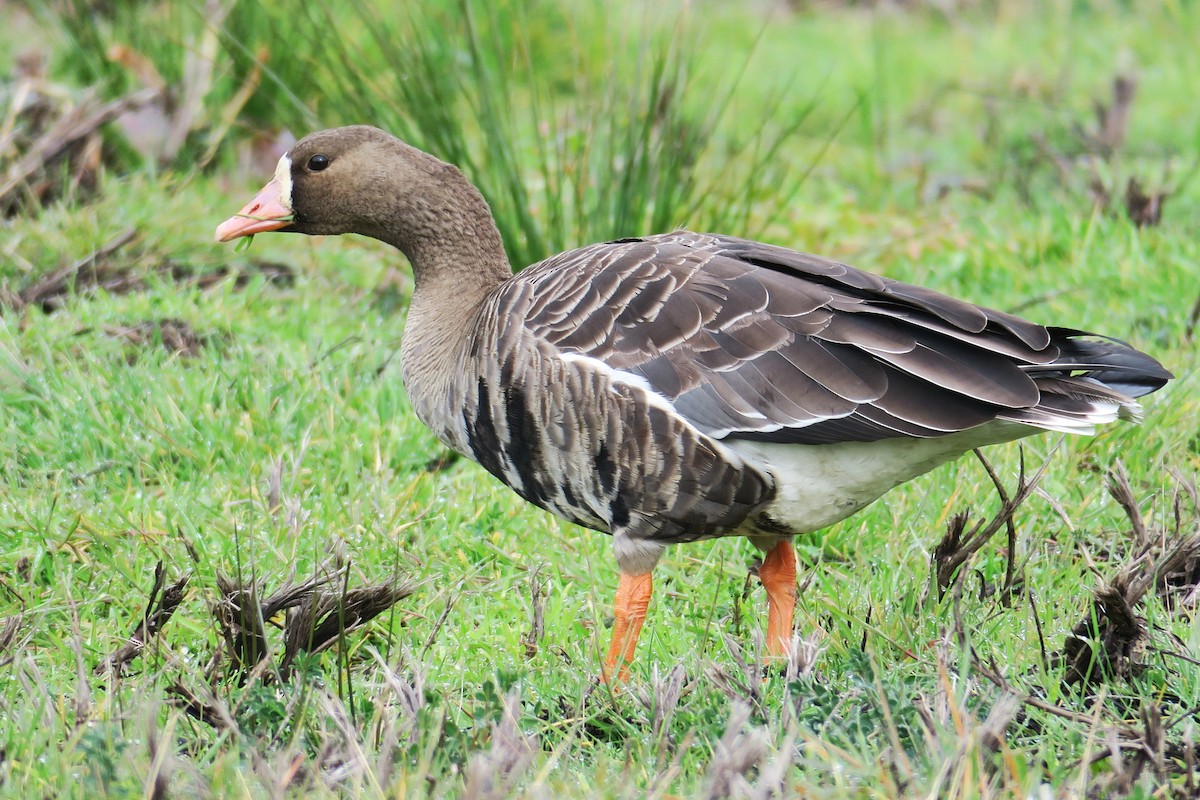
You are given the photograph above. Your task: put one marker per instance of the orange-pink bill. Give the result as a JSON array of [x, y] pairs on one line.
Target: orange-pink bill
[[266, 212]]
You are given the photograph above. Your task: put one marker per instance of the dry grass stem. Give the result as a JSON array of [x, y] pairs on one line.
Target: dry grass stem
[[736, 754], [493, 774]]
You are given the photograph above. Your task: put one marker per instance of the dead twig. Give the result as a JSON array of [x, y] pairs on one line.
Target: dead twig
[[958, 546], [211, 712], [240, 620], [163, 602], [1011, 566], [1193, 320], [324, 618], [1110, 638], [1120, 490], [537, 615], [176, 336], [45, 291], [1144, 208], [1108, 641], [443, 461], [993, 675], [441, 621]]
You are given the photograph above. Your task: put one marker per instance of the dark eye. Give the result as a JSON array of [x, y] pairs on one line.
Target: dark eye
[[318, 163]]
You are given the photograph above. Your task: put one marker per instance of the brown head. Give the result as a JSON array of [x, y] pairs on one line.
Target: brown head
[[359, 179]]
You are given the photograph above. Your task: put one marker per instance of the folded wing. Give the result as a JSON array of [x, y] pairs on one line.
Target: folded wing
[[758, 342]]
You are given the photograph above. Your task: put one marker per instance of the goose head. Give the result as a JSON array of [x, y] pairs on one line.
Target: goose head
[[360, 179]]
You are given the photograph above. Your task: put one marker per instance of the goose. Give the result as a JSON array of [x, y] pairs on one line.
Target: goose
[[683, 386]]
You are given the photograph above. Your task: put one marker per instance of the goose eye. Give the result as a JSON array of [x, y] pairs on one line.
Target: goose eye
[[318, 163]]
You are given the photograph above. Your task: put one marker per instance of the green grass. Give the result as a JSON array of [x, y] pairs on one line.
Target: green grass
[[115, 456]]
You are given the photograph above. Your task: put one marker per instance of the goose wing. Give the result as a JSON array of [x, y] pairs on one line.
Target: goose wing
[[751, 341]]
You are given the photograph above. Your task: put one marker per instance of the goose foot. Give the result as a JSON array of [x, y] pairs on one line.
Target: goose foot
[[778, 576], [629, 612]]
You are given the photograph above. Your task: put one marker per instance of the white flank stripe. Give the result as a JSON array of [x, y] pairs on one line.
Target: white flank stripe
[[653, 398], [620, 376]]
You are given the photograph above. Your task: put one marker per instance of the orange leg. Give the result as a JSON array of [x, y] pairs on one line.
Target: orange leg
[[629, 612], [778, 576]]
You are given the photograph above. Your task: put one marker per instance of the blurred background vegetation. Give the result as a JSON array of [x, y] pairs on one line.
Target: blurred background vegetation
[[589, 120]]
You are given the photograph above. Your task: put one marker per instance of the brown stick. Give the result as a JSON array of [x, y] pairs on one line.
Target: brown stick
[[57, 282], [73, 126]]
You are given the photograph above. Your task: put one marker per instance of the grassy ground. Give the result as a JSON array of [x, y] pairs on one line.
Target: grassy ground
[[283, 440]]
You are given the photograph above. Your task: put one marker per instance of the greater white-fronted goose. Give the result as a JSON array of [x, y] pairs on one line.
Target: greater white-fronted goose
[[684, 386]]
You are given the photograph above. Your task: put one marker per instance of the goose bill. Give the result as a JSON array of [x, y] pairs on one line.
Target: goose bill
[[266, 212]]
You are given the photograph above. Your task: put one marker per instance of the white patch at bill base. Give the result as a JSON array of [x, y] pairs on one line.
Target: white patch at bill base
[[283, 177]]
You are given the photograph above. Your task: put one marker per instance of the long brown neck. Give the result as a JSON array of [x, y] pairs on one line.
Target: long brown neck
[[463, 259], [447, 231], [457, 258]]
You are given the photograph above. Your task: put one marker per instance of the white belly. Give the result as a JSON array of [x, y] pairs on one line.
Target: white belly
[[819, 485]]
